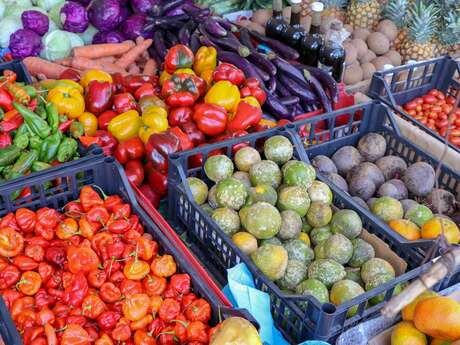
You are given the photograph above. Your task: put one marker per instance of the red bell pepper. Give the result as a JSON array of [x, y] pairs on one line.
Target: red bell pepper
[[124, 102], [182, 90], [211, 119], [70, 74], [252, 88], [227, 71], [6, 100], [158, 181], [185, 142], [146, 89], [179, 56], [180, 115], [98, 96], [5, 140], [87, 141], [130, 149], [196, 136], [107, 141], [132, 82], [118, 83], [228, 136], [159, 147], [65, 126], [245, 116], [150, 194], [104, 119], [11, 123], [135, 172]]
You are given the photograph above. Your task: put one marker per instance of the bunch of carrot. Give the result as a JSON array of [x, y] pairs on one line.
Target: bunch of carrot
[[127, 57]]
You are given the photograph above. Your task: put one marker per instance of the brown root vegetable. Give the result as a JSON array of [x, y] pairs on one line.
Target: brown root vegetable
[[368, 57], [380, 61], [261, 16], [394, 57], [338, 180], [394, 188], [346, 158], [391, 167], [360, 202], [368, 70], [361, 33], [408, 204], [388, 28], [360, 46], [353, 74], [351, 53], [324, 164], [372, 146], [378, 43], [361, 187], [367, 171], [441, 201], [419, 178]]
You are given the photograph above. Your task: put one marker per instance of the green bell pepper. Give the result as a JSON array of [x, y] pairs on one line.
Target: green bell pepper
[[52, 116], [39, 166], [50, 146], [35, 143], [41, 111], [21, 138], [22, 165], [9, 154], [67, 149], [36, 124]]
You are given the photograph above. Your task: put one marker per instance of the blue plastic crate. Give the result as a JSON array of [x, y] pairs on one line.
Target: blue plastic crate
[[399, 85], [298, 317], [22, 75], [107, 174]]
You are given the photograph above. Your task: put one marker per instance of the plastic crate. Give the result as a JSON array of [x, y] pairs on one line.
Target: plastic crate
[[361, 120], [109, 176], [298, 317], [22, 75], [399, 85]]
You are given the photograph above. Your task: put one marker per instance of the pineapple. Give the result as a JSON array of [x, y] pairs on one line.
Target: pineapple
[[448, 29], [396, 11], [421, 25], [364, 13], [332, 8]]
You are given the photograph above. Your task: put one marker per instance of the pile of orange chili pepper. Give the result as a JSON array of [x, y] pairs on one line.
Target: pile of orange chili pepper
[[91, 275]]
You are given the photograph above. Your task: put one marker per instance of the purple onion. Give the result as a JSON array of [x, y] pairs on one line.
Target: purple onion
[[35, 21], [24, 43]]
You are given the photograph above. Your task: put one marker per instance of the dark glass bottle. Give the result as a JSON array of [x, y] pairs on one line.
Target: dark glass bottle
[[276, 24], [312, 42], [295, 32], [332, 53]]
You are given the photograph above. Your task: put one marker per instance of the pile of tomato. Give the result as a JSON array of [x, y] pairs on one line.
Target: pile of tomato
[[433, 111], [90, 275]]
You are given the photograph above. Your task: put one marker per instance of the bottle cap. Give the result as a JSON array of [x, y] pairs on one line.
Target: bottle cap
[[295, 2], [387, 66], [317, 6]]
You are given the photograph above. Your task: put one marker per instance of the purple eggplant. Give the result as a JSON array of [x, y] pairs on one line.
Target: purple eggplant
[[262, 62], [206, 41], [226, 43], [159, 43], [225, 23], [185, 32], [276, 108], [282, 90], [296, 88], [280, 48], [287, 69], [153, 54], [240, 62], [318, 88], [271, 84], [263, 75], [170, 5], [165, 23], [290, 101], [325, 79], [195, 43], [245, 39], [171, 38], [214, 28]]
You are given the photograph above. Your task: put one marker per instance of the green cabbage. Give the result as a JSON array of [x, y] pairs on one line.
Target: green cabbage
[[56, 45], [75, 40], [55, 13], [8, 26], [46, 4], [88, 35], [18, 3], [2, 9], [14, 10]]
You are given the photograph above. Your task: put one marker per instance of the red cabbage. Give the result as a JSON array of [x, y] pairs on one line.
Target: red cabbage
[[24, 43], [35, 21], [125, 12], [133, 27], [74, 17], [108, 37], [105, 14], [143, 6]]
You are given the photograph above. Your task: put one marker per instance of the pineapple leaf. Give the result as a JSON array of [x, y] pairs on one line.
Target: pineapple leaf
[[421, 22], [396, 11]]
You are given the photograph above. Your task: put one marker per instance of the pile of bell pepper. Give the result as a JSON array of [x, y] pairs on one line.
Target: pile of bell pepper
[[91, 275], [33, 135]]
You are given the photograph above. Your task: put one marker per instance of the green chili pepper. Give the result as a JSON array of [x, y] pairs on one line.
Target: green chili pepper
[[9, 154], [62, 118], [6, 170], [41, 111], [23, 164], [21, 138], [35, 143], [30, 90], [2, 114], [52, 116], [50, 146], [39, 166], [36, 124], [76, 129], [67, 149]]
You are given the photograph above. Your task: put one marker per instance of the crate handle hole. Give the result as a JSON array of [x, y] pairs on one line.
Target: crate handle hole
[[109, 159], [98, 151], [328, 308], [174, 156]]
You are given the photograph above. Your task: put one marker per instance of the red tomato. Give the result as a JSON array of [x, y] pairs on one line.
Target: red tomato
[[418, 100], [429, 99], [410, 106]]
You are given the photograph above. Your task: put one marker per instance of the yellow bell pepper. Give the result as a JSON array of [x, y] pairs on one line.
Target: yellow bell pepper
[[184, 70], [163, 77], [154, 120], [225, 94], [126, 125], [251, 100], [68, 100], [205, 58], [89, 122], [94, 74], [206, 75], [52, 83]]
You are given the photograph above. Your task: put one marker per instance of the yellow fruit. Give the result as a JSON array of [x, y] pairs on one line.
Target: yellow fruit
[[436, 225], [408, 312], [364, 13], [405, 228], [304, 237], [245, 241], [405, 333]]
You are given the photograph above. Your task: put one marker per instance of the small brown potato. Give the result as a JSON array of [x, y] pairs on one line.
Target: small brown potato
[[351, 53], [378, 43], [252, 26], [353, 74], [381, 61], [360, 45], [361, 33], [394, 57], [261, 16], [368, 57], [368, 70], [388, 28]]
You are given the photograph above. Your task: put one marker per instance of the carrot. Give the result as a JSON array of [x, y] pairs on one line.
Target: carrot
[[150, 67], [36, 66], [139, 40], [64, 62], [85, 63], [134, 69], [95, 51], [109, 59], [129, 57]]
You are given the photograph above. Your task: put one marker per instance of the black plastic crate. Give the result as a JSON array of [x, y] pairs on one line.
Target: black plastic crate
[[22, 74], [399, 85], [298, 317], [362, 119], [107, 174]]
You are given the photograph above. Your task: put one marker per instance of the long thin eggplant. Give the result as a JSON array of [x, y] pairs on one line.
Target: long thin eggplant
[[245, 39], [154, 11], [286, 68], [296, 89], [153, 54], [263, 75], [271, 84], [171, 38], [276, 108], [159, 43], [289, 101], [207, 42], [166, 22], [214, 28], [185, 32], [230, 44], [318, 88], [280, 48], [262, 62], [195, 43], [170, 4], [226, 24], [282, 90], [325, 78], [241, 63]]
